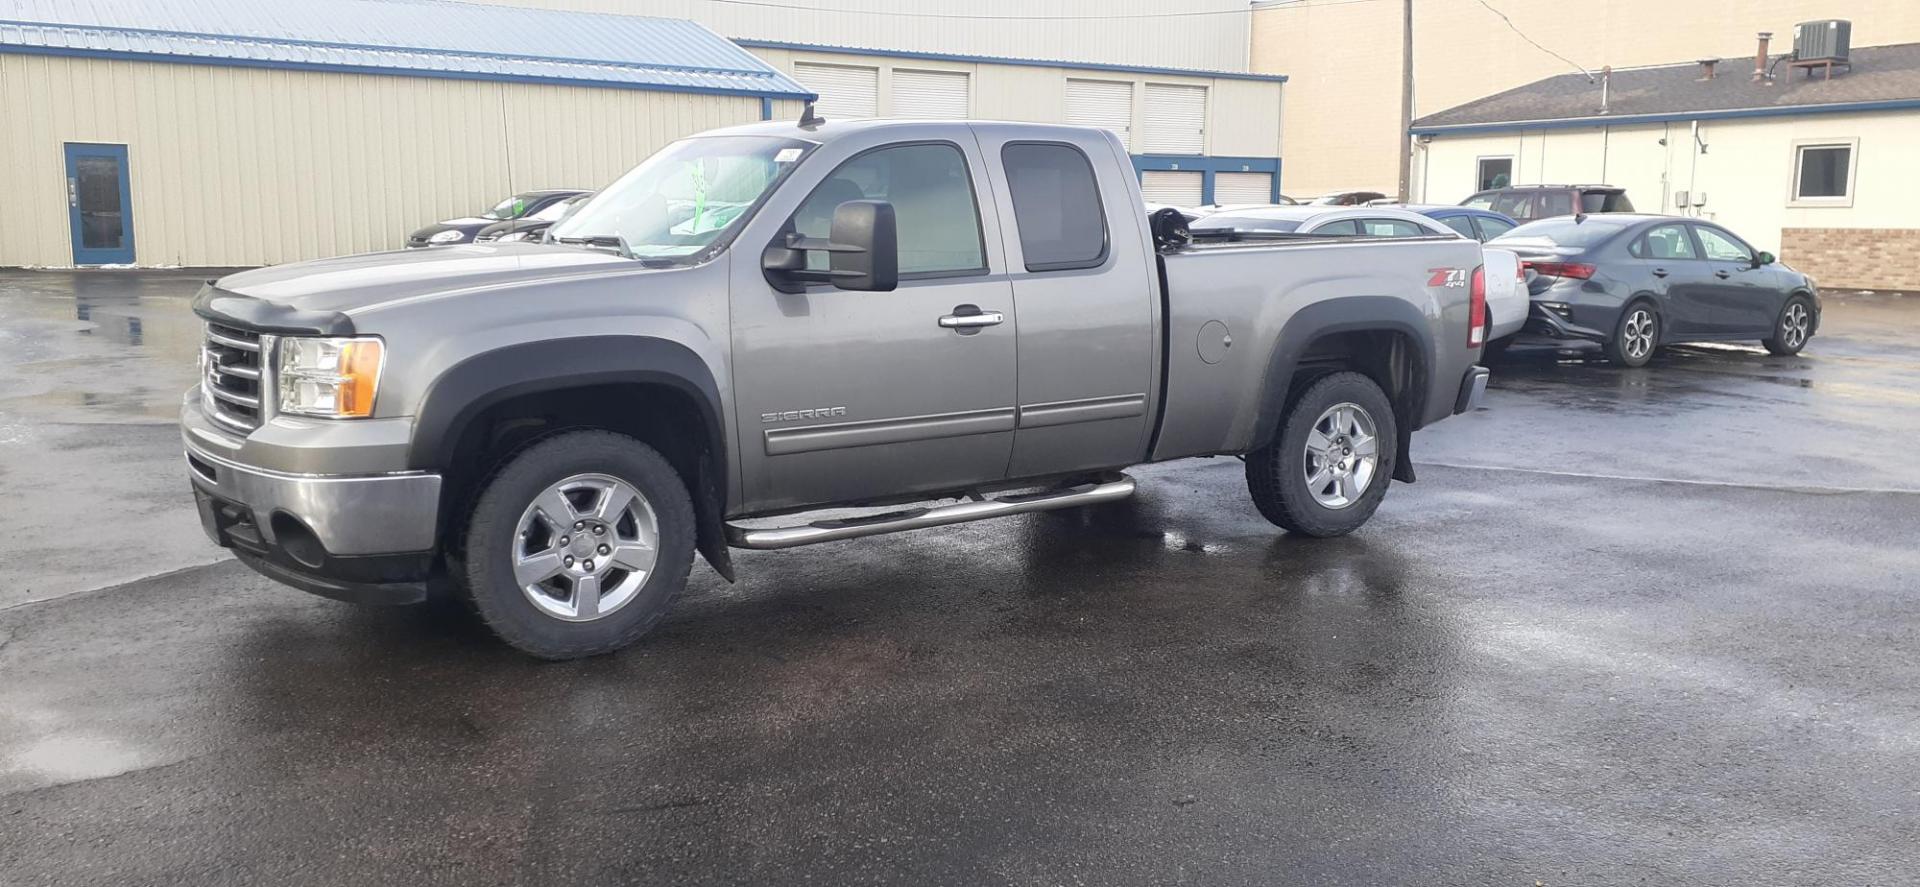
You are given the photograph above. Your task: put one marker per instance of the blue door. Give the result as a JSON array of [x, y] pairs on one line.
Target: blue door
[[99, 204]]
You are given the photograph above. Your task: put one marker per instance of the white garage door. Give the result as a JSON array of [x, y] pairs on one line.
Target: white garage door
[[1242, 187], [1176, 119], [845, 93], [936, 94], [1174, 187], [1103, 103]]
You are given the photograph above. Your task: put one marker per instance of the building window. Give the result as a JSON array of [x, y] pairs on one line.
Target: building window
[[1494, 172], [1823, 172]]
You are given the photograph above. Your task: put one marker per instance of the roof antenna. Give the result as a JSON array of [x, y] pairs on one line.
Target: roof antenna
[[808, 119]]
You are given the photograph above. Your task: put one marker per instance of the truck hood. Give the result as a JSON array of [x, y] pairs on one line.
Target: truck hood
[[348, 283]]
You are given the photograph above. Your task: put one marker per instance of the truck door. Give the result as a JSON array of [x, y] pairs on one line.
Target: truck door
[[1083, 288], [842, 396]]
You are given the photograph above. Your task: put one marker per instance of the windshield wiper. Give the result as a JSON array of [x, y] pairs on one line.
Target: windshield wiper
[[616, 241]]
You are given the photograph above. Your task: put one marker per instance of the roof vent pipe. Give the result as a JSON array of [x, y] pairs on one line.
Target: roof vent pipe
[[1760, 57], [1706, 68]]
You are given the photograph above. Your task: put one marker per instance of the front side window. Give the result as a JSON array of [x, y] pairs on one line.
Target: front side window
[[687, 200], [933, 206], [1667, 242], [1056, 205], [1721, 246], [1823, 173]]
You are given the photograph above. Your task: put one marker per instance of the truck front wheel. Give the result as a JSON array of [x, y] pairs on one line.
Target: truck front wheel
[[1327, 469], [579, 545]]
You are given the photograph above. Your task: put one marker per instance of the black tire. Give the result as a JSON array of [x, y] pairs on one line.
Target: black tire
[[493, 532], [1784, 342], [1276, 473], [1626, 352]]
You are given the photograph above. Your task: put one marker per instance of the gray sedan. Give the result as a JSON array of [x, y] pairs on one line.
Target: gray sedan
[[1633, 283]]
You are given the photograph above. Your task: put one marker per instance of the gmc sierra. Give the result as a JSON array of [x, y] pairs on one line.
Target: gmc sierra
[[781, 317]]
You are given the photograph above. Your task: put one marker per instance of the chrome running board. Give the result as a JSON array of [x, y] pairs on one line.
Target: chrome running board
[[1120, 487]]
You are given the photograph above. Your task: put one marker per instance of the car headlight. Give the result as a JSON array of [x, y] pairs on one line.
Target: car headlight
[[333, 378], [454, 236]]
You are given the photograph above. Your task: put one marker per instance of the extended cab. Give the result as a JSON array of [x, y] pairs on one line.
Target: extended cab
[[777, 318]]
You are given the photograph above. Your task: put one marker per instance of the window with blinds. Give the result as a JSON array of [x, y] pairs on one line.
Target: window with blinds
[[846, 93], [1176, 119]]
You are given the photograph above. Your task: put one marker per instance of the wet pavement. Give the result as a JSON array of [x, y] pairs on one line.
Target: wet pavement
[[1630, 627]]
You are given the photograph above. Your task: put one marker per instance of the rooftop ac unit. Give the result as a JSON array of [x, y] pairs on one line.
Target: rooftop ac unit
[[1822, 41]]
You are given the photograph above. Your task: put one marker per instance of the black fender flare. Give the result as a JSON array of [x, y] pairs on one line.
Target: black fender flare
[[1348, 314], [467, 389]]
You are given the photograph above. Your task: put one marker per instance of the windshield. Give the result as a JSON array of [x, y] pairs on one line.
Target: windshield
[[511, 208], [685, 200]]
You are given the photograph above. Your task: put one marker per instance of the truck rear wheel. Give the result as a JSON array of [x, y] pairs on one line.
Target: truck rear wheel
[[579, 545], [1327, 469]]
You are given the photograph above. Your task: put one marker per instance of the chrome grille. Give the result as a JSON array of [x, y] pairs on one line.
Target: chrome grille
[[233, 376]]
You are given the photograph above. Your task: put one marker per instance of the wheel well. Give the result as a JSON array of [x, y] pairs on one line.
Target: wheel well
[[1389, 357], [662, 416]]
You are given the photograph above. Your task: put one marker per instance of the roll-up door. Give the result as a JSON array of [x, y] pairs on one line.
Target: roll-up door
[[1176, 119], [936, 94], [846, 93], [1103, 103], [1175, 187], [1243, 187]]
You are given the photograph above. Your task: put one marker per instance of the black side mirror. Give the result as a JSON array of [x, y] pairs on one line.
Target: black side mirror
[[863, 252], [1763, 258]]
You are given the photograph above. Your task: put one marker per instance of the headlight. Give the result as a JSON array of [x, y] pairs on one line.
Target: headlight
[[454, 236], [335, 378]]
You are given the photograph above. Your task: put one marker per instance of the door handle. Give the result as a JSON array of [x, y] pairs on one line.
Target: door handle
[[1659, 272], [970, 317], [1723, 275]]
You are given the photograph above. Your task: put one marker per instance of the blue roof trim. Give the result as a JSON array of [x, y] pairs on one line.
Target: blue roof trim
[[1671, 117], [1008, 60], [435, 38]]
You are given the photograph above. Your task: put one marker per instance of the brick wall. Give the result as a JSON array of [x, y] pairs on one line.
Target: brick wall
[[1864, 258]]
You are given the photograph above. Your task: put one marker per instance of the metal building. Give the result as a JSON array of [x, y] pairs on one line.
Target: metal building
[[231, 133]]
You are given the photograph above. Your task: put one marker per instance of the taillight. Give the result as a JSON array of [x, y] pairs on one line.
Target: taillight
[[1575, 270], [1477, 309]]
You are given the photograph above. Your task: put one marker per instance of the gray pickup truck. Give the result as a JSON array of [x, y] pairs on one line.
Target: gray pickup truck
[[954, 320]]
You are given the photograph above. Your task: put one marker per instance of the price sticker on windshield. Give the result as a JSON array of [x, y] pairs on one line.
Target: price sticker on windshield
[[787, 155]]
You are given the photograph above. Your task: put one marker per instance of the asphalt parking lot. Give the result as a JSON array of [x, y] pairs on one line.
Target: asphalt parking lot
[[1631, 627]]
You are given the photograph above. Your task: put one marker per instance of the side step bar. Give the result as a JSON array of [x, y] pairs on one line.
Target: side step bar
[[1120, 487]]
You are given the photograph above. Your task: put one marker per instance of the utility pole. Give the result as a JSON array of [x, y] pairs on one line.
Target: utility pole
[[1404, 138]]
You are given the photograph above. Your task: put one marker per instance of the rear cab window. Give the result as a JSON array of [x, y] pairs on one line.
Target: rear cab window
[[1056, 204]]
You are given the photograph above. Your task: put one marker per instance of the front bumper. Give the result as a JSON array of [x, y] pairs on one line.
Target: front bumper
[[364, 538]]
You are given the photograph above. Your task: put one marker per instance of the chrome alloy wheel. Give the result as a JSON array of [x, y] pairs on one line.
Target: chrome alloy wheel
[[1636, 338], [1343, 452], [585, 547], [1794, 326]]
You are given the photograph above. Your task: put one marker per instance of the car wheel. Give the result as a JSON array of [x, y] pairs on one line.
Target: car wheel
[[1637, 336], [1327, 469], [579, 545], [1793, 329]]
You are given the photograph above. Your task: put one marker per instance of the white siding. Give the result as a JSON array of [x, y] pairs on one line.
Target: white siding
[[846, 92], [1107, 104], [1243, 187], [1176, 119], [1178, 188], [1213, 34], [932, 94], [251, 166]]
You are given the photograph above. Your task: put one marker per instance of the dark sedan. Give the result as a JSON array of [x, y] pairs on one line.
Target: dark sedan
[[532, 226], [1633, 283], [463, 230]]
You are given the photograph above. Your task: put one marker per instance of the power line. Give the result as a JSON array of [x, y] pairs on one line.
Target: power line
[[1536, 43], [768, 4]]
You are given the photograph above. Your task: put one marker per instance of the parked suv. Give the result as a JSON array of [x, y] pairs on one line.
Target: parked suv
[[1528, 202]]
